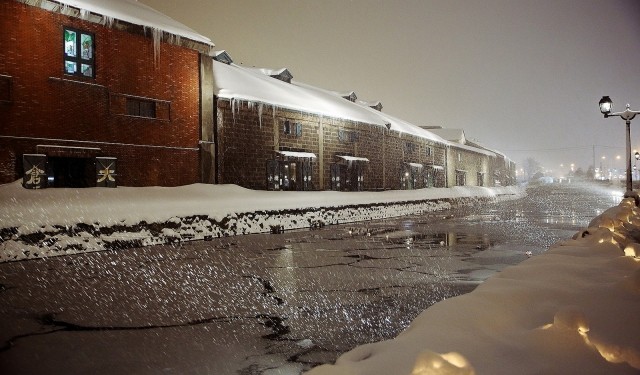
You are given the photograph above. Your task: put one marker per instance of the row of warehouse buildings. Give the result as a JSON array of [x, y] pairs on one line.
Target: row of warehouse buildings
[[119, 94]]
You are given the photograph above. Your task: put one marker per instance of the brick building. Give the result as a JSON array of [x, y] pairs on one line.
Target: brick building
[[119, 94], [98, 95], [470, 163], [272, 132]]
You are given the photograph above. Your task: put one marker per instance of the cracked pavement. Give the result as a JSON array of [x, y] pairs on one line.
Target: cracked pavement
[[270, 303]]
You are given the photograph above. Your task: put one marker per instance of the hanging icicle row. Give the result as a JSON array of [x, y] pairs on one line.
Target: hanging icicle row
[[107, 21], [36, 3], [84, 14]]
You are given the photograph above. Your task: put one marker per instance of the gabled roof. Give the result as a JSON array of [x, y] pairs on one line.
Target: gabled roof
[[451, 135], [235, 82], [136, 13]]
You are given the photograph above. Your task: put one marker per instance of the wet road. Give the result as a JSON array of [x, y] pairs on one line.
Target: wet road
[[267, 304]]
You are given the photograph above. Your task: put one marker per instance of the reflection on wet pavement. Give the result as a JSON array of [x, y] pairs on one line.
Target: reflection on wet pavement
[[266, 304]]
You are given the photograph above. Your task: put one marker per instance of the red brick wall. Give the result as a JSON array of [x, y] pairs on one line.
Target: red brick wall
[[66, 110]]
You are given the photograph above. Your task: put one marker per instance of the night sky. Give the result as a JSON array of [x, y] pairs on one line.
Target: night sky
[[520, 76]]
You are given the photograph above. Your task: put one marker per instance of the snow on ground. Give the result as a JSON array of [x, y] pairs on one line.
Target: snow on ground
[[49, 222], [572, 310]]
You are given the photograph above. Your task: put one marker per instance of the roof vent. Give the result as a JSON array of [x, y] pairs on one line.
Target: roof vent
[[350, 96], [222, 56], [283, 74], [377, 105]]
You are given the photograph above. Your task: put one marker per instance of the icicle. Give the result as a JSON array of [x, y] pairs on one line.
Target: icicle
[[260, 106], [84, 14], [157, 38], [233, 110], [65, 9], [36, 3], [107, 21]]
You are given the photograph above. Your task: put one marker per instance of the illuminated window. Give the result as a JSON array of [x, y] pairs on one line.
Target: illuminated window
[[79, 53]]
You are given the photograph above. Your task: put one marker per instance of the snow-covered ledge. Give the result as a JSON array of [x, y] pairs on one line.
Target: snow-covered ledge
[[50, 222], [572, 310]]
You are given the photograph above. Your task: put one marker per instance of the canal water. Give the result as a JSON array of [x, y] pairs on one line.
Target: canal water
[[273, 303]]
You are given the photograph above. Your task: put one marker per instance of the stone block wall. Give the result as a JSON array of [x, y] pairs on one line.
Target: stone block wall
[[248, 134]]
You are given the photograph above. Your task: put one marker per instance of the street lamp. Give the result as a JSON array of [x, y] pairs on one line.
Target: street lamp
[[606, 106]]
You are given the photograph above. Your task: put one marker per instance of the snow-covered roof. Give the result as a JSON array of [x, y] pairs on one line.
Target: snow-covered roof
[[297, 154], [235, 82], [137, 13], [453, 135], [376, 104], [352, 158], [282, 74]]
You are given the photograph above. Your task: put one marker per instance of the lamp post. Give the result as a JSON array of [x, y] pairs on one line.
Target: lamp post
[[606, 106], [635, 168]]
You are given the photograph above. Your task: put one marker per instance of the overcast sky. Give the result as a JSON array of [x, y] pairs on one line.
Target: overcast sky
[[521, 76]]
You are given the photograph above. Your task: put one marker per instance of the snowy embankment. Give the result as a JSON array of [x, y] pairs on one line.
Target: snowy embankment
[[573, 310], [49, 222]]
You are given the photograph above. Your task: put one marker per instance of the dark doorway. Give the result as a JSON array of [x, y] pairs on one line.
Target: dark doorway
[[71, 172]]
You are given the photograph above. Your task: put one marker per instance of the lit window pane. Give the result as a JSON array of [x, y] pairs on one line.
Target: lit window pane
[[86, 45], [86, 70], [70, 67], [70, 43]]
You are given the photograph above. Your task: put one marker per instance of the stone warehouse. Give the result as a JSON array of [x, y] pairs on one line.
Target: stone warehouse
[[307, 138], [123, 95]]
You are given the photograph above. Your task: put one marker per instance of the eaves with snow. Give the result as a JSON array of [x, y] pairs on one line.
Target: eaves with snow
[[133, 12], [234, 82], [457, 139]]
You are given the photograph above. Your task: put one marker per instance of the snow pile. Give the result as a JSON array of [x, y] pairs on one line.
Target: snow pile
[[50, 222], [572, 310]]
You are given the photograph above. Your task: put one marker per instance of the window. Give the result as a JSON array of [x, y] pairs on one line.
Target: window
[[480, 179], [79, 53], [5, 88], [409, 147], [461, 178], [141, 108], [429, 151], [347, 136], [292, 128]]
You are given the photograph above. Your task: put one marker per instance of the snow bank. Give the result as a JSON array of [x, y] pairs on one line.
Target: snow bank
[[572, 310], [50, 222]]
